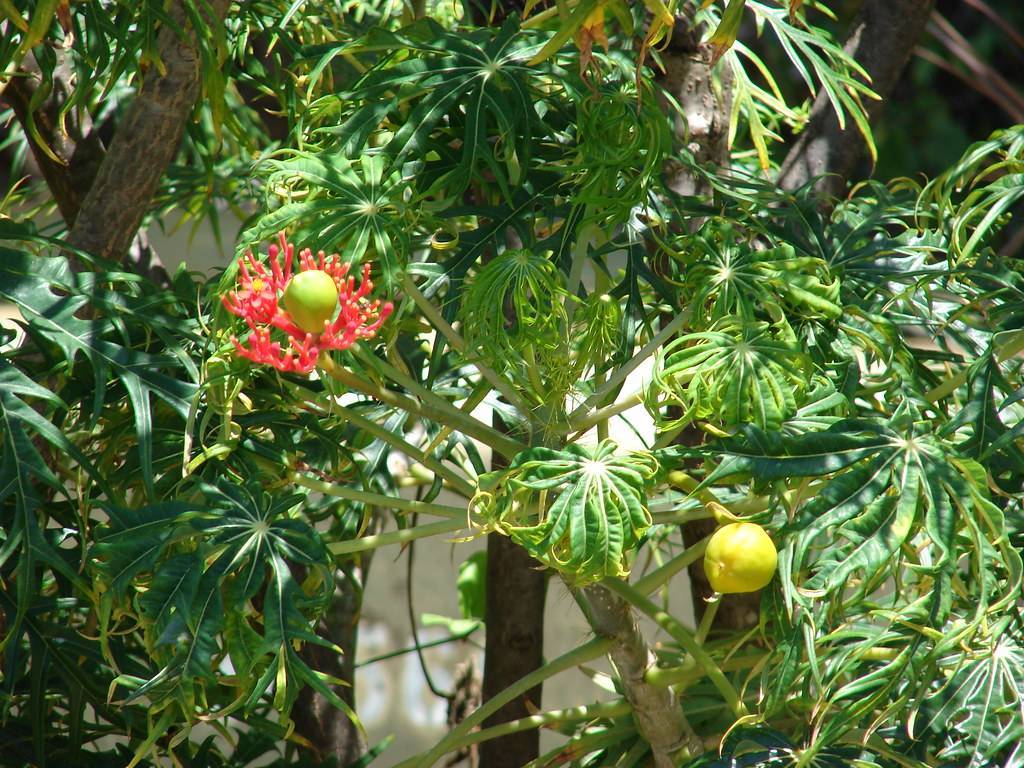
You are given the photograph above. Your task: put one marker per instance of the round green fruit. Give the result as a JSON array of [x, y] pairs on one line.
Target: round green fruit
[[311, 298], [740, 558]]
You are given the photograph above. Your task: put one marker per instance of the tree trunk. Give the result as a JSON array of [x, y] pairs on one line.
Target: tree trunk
[[328, 728], [146, 141], [516, 590], [658, 714], [689, 77], [881, 39]]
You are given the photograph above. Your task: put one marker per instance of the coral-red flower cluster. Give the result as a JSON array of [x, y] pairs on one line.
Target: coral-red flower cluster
[[257, 302]]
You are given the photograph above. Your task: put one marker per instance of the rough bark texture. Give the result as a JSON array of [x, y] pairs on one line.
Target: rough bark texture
[[145, 143], [328, 728], [658, 715], [77, 148], [516, 591], [688, 77], [881, 39]]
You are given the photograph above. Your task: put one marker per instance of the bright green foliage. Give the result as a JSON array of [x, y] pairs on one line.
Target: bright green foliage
[[175, 522], [186, 574], [729, 277], [352, 207], [580, 510], [734, 374]]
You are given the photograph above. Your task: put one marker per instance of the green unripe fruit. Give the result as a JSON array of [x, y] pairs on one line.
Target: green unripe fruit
[[311, 298], [740, 558]]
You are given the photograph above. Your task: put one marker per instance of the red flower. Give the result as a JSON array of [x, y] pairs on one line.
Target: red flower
[[257, 302]]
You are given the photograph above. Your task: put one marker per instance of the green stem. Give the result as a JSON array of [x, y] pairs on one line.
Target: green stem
[[680, 516], [433, 408], [613, 409], [458, 636], [378, 499], [682, 636], [689, 672], [708, 618], [460, 484], [586, 652], [457, 343], [662, 575], [532, 372], [403, 536], [560, 716], [579, 257], [620, 374]]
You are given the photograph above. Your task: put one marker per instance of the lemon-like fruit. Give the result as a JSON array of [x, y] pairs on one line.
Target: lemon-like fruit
[[740, 558], [311, 298]]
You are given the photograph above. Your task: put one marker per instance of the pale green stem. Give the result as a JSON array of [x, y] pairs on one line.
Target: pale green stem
[[468, 405], [680, 516], [662, 575], [378, 499], [403, 536], [435, 409], [579, 258], [668, 437], [400, 377], [532, 372], [681, 635], [689, 672], [708, 618], [454, 638], [457, 343], [554, 716], [608, 411], [620, 374], [584, 653], [460, 484], [539, 18]]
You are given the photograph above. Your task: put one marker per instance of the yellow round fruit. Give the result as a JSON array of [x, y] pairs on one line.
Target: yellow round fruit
[[740, 558], [311, 298]]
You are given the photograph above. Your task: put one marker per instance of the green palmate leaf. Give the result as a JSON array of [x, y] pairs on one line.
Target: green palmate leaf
[[728, 28], [514, 318], [734, 374], [334, 204], [25, 478], [475, 83], [979, 711], [816, 57], [762, 747], [971, 201], [580, 510], [888, 484], [986, 436], [188, 573], [52, 298], [623, 142], [727, 276]]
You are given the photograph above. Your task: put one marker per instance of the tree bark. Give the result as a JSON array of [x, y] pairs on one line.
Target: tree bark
[[328, 728], [146, 140], [76, 150], [658, 715], [881, 40], [516, 591], [689, 77]]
